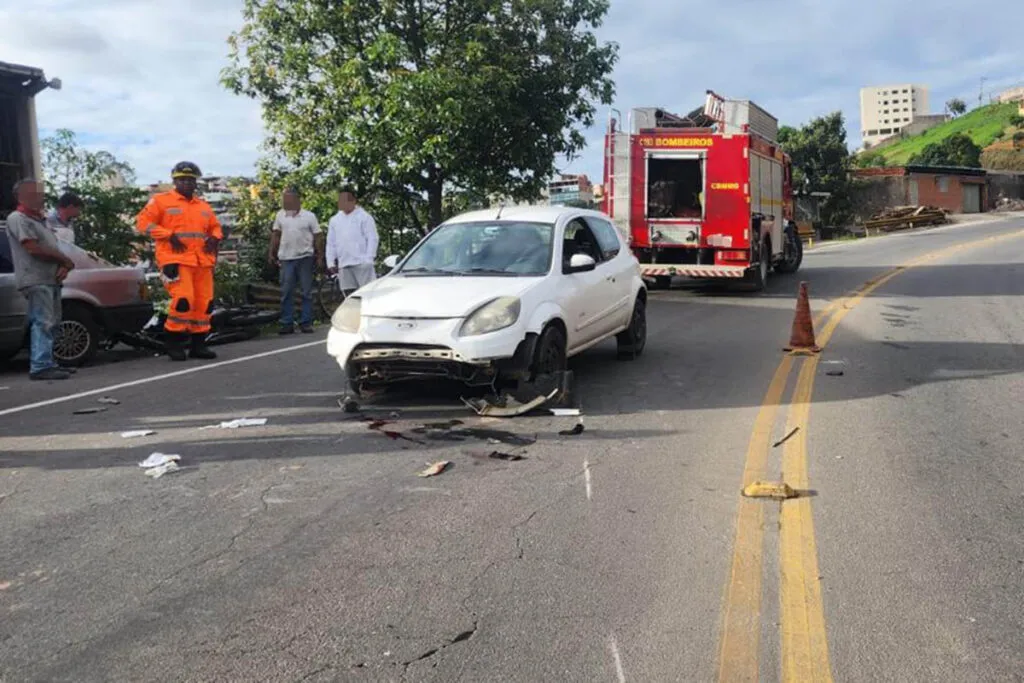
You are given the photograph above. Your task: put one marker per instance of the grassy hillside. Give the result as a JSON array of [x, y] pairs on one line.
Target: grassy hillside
[[983, 125]]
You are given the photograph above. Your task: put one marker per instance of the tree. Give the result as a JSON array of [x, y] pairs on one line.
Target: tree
[[1017, 120], [956, 106], [105, 184], [956, 150], [870, 160], [426, 98], [821, 162]]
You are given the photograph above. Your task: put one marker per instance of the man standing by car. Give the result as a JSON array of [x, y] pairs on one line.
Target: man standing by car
[[187, 236], [39, 270], [296, 247], [351, 243], [69, 207]]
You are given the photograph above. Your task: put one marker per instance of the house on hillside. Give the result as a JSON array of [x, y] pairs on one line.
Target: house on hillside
[[958, 190]]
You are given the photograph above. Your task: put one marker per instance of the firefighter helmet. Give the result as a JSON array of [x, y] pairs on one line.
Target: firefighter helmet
[[186, 169]]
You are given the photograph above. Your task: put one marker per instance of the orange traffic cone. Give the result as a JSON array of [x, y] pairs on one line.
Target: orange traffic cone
[[801, 339]]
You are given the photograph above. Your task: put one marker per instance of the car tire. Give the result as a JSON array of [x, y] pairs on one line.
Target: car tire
[[632, 341], [662, 282], [79, 336], [550, 355]]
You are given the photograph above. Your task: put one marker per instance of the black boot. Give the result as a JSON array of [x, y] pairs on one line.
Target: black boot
[[175, 346], [200, 350]]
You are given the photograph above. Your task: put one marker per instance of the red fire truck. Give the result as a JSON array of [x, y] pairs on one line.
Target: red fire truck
[[707, 195]]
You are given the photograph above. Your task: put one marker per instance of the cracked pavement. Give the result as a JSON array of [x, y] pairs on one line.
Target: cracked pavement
[[310, 550]]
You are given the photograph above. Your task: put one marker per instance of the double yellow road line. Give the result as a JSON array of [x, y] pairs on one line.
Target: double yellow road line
[[805, 651]]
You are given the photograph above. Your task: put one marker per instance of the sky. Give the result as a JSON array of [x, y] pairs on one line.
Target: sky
[[141, 77]]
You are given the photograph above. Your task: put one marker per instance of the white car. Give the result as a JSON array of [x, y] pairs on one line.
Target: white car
[[509, 293]]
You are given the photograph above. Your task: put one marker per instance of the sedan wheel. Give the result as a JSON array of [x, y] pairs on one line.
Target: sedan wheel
[[77, 337], [633, 339], [550, 356]]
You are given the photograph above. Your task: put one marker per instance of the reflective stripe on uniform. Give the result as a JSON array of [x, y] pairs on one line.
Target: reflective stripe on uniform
[[191, 235], [150, 228]]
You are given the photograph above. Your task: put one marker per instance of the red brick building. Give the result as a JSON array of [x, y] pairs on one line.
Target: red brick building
[[960, 190]]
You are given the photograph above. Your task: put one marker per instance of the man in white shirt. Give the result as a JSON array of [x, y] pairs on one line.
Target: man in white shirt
[[295, 246], [351, 243], [60, 220]]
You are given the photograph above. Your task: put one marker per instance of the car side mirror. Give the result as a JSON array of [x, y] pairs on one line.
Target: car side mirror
[[581, 263], [391, 261]]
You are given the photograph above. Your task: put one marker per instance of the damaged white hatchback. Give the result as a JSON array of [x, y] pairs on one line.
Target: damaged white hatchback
[[505, 293]]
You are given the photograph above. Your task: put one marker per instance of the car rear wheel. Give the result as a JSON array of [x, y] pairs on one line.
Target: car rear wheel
[[633, 339], [78, 336], [550, 354]]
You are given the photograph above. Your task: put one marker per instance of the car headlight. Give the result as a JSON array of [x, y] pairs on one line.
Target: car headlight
[[347, 317], [491, 317]]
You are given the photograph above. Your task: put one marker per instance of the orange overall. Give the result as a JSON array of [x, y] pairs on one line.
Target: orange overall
[[187, 275]]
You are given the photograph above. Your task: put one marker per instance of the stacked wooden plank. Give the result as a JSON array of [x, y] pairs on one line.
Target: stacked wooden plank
[[905, 217]]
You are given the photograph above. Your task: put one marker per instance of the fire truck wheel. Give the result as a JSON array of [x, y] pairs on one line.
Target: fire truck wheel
[[633, 339], [757, 277], [549, 356], [793, 255]]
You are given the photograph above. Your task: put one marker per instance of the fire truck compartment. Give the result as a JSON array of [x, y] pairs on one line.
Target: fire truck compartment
[[675, 188]]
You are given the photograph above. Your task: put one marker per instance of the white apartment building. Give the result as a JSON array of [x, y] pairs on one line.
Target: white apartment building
[[884, 110]]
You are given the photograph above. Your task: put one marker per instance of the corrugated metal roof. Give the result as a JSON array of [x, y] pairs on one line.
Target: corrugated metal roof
[[32, 78]]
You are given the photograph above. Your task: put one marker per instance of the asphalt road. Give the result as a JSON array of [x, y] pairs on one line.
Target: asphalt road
[[308, 549]]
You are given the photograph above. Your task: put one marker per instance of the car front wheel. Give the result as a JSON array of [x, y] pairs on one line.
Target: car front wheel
[[550, 355], [78, 336]]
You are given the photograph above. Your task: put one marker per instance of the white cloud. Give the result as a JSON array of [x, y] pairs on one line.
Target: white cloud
[[141, 77]]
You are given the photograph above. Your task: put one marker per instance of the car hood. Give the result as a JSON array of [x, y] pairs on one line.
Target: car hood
[[436, 297]]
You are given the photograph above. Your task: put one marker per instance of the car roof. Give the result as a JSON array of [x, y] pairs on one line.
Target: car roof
[[539, 214]]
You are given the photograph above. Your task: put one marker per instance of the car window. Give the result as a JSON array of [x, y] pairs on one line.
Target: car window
[[6, 260], [579, 240], [607, 237], [502, 248]]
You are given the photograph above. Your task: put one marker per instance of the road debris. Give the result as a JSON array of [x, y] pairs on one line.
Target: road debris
[[159, 464], [435, 469], [774, 490], [575, 431], [348, 404], [836, 367], [786, 438], [239, 423], [109, 401], [507, 405], [91, 411], [137, 433], [509, 457], [565, 412]]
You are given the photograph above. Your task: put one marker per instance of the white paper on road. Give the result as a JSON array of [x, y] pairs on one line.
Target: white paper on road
[[136, 433], [158, 460], [565, 412], [240, 422], [157, 472]]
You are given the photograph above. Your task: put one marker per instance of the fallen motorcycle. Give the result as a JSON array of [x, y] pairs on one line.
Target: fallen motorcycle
[[227, 324]]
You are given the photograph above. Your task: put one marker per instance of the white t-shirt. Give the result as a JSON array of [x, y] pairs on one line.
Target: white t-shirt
[[298, 234]]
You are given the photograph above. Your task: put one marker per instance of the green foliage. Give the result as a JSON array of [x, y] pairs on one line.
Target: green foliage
[[230, 281], [106, 225], [870, 160], [982, 125], [821, 162], [955, 150], [1017, 121], [956, 106], [413, 102]]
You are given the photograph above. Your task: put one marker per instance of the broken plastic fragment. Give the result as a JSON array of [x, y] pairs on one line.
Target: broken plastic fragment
[[158, 459], [109, 401], [565, 412], [575, 431], [90, 411], [244, 422], [435, 469], [511, 406], [157, 472], [136, 433]]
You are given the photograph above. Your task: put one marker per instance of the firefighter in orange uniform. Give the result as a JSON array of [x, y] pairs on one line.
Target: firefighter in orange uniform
[[187, 235]]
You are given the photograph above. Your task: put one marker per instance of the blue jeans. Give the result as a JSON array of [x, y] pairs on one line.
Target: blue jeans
[[299, 271], [43, 320]]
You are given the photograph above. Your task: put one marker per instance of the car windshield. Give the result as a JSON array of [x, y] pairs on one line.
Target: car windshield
[[499, 248]]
